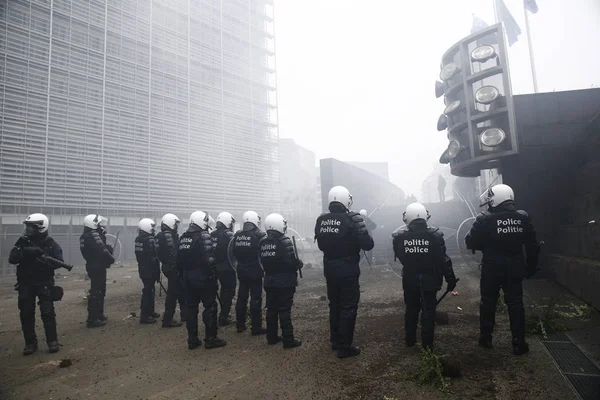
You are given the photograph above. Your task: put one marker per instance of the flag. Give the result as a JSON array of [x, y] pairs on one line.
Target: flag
[[531, 6], [504, 16]]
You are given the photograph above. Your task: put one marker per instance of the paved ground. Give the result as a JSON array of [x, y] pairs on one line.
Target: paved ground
[[126, 360]]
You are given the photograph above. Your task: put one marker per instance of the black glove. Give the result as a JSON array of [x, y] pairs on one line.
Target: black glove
[[451, 284], [32, 251], [299, 264], [531, 271], [111, 249]]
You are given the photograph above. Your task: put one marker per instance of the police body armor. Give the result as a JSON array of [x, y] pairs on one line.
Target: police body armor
[[245, 251], [195, 257], [221, 238], [421, 255], [94, 250], [145, 253], [279, 261], [168, 245]]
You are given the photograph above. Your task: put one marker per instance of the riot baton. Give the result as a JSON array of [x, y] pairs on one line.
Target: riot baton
[[161, 288], [296, 253], [368, 261], [444, 295]]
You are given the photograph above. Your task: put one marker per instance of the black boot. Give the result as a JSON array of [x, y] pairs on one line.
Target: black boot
[[194, 342], [171, 324], [351, 351], [30, 348], [334, 346], [214, 343], [294, 343], [147, 320], [278, 339], [225, 321], [520, 346], [485, 341], [260, 331], [155, 315], [410, 339], [95, 324], [103, 318], [53, 347]]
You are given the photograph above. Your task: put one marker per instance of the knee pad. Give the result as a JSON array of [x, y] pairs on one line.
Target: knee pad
[[47, 309]]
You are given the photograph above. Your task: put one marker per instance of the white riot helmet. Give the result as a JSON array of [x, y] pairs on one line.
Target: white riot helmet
[[275, 222], [200, 219], [252, 217], [341, 195], [40, 221], [171, 221], [226, 219], [363, 212], [94, 221], [496, 195], [415, 211], [146, 225], [211, 223]]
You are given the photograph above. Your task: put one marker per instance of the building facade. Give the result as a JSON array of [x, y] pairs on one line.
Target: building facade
[[381, 169], [134, 108], [298, 183]]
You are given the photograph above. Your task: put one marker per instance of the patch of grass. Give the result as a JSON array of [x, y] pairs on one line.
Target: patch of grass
[[545, 320], [582, 312], [430, 371], [501, 305]]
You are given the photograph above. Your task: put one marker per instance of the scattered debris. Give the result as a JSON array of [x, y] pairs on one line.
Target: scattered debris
[[323, 298], [114, 281], [127, 277], [66, 363], [459, 308], [430, 371], [454, 293], [131, 315]]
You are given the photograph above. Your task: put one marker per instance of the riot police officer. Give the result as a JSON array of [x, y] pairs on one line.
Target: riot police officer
[[148, 268], [278, 258], [222, 235], [196, 260], [98, 258], [422, 252], [341, 235], [35, 278], [501, 233], [250, 273], [168, 245]]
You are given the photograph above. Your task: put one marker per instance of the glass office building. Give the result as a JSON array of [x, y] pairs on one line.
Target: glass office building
[[137, 107]]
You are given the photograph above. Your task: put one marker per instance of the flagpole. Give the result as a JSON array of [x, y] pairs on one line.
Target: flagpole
[[531, 58], [494, 5]]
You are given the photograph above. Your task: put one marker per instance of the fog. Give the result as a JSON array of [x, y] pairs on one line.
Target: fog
[[356, 78]]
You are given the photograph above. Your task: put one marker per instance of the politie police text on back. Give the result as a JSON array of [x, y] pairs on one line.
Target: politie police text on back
[[416, 246], [243, 241], [185, 243], [330, 226], [509, 226], [267, 250]]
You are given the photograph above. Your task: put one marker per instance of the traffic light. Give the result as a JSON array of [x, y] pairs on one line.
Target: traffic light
[[478, 114]]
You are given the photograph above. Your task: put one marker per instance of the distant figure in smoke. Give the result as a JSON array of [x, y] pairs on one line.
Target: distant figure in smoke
[[148, 268], [35, 278], [168, 246], [221, 237], [442, 188], [250, 273], [342, 235], [422, 251], [278, 258], [196, 260], [98, 258], [501, 233]]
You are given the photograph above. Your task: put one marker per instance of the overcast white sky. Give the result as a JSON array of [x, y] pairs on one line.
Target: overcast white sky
[[356, 78]]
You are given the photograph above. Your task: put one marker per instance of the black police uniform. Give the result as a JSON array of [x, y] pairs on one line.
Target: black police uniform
[[168, 246], [422, 252], [149, 270], [341, 235], [281, 266], [35, 278], [98, 257], [501, 234], [226, 274], [250, 274], [197, 264]]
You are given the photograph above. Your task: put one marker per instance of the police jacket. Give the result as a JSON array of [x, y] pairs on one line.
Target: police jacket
[[501, 234], [341, 235], [422, 252], [245, 251], [95, 251], [147, 257], [26, 254], [278, 258], [195, 259], [168, 245], [221, 238]]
